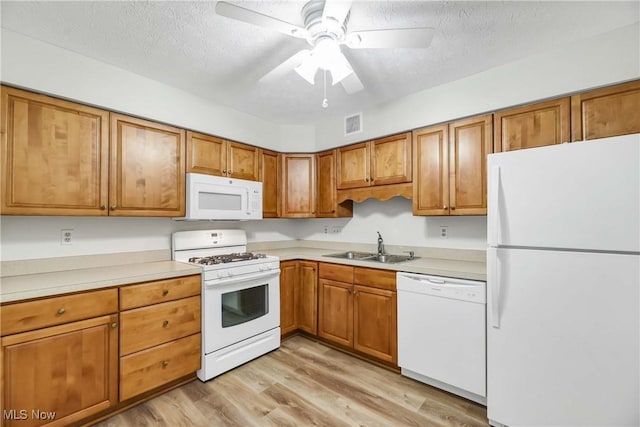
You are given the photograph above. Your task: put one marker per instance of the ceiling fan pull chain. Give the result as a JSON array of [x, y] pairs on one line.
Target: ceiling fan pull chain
[[325, 102]]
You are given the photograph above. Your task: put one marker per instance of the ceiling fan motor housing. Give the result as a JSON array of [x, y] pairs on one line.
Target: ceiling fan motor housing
[[319, 28]]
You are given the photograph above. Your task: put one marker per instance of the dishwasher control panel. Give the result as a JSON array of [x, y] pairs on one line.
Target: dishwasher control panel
[[446, 287]]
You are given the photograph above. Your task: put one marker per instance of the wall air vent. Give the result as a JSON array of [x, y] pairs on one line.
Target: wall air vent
[[353, 124]]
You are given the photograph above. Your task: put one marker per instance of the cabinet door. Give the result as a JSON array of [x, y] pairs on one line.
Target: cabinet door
[[70, 369], [307, 298], [353, 166], [288, 280], [147, 168], [54, 156], [536, 125], [470, 142], [270, 172], [606, 112], [431, 171], [243, 161], [391, 160], [335, 321], [206, 154], [375, 330], [299, 186], [327, 205]]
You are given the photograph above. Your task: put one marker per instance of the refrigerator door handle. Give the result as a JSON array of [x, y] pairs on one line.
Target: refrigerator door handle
[[494, 206], [494, 283]]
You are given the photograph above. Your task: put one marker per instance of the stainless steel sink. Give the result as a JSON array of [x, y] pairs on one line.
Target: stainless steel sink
[[353, 255], [366, 256]]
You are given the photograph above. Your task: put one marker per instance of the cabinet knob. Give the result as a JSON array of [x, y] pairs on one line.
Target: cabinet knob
[[103, 207], [453, 208], [230, 172], [366, 179], [333, 211], [224, 172], [114, 325], [313, 212], [61, 311], [165, 324], [113, 207], [165, 363], [165, 292], [445, 207]]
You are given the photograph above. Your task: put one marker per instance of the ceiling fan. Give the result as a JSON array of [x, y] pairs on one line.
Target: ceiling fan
[[325, 29]]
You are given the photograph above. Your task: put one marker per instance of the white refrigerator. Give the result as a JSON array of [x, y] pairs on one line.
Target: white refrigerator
[[563, 283]]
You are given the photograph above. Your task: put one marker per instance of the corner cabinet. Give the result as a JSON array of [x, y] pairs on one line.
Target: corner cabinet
[[298, 186], [55, 156], [610, 111], [216, 156], [298, 296], [535, 125], [450, 173], [60, 357]]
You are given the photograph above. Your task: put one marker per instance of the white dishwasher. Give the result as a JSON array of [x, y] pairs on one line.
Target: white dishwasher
[[442, 333]]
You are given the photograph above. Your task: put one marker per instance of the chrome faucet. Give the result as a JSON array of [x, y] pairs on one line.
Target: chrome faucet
[[380, 244]]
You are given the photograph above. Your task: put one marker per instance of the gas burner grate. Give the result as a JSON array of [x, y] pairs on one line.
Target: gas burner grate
[[223, 259]]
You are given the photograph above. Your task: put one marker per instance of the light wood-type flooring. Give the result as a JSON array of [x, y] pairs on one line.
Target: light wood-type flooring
[[304, 383]]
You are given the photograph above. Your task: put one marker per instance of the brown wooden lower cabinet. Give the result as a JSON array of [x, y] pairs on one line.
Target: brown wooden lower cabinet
[[359, 309], [60, 356], [61, 374], [298, 296]]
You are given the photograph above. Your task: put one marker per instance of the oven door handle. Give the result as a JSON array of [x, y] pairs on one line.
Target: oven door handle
[[239, 279]]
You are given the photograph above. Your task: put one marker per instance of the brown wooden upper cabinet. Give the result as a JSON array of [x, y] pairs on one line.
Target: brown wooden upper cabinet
[[215, 156], [270, 173], [298, 186], [55, 156], [610, 111], [63, 158], [534, 125], [379, 162], [327, 204], [147, 168], [450, 176]]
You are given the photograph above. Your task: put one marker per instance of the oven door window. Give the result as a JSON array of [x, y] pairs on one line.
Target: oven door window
[[244, 305]]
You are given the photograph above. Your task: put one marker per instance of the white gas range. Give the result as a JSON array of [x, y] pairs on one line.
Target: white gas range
[[240, 297]]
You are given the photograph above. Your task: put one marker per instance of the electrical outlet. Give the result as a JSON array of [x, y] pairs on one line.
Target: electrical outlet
[[325, 229], [444, 231], [66, 236], [336, 229]]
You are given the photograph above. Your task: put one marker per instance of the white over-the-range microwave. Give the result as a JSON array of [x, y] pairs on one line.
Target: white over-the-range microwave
[[220, 198]]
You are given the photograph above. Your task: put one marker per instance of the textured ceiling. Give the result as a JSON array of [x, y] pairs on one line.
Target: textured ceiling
[[188, 46]]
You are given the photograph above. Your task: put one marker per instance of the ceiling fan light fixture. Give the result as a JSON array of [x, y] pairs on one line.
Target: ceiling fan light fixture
[[308, 69]]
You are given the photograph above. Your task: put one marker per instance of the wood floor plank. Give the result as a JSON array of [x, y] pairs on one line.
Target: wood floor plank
[[304, 383]]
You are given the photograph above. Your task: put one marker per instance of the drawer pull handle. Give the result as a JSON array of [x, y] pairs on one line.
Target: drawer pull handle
[[165, 292], [61, 311], [165, 324], [114, 325], [165, 363]]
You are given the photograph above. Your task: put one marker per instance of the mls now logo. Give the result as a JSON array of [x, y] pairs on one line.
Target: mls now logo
[[23, 414]]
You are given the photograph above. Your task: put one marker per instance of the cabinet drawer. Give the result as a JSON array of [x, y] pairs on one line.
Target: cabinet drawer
[[26, 316], [341, 273], [383, 279], [159, 365], [157, 324], [135, 296]]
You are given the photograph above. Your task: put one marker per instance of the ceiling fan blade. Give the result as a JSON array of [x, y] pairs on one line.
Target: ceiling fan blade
[[352, 83], [249, 16], [401, 37], [286, 67], [337, 9]]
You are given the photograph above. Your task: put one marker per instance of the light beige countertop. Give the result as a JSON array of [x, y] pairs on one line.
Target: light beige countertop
[[21, 287], [463, 269], [26, 279]]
